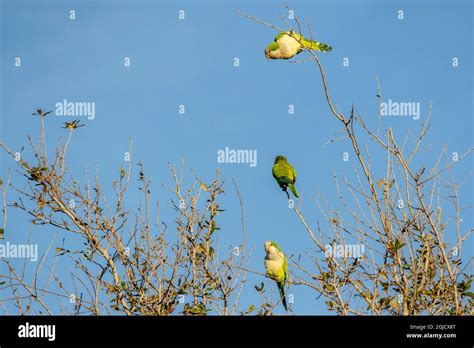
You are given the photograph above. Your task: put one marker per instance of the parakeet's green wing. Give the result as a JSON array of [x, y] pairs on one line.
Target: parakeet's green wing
[[284, 173], [319, 46], [281, 288], [279, 36], [281, 285], [312, 45], [293, 172], [279, 174], [276, 246], [275, 172], [273, 46], [291, 185], [315, 45]]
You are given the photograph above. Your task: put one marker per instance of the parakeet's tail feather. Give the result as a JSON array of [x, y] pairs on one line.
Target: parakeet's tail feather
[[281, 287], [318, 46], [293, 189]]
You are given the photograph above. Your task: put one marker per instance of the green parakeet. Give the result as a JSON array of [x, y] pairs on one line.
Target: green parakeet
[[276, 267], [285, 175], [289, 44]]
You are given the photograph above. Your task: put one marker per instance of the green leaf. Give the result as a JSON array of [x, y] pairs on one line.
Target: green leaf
[[211, 252], [469, 294], [2, 231], [464, 285], [214, 227], [395, 246], [260, 289]]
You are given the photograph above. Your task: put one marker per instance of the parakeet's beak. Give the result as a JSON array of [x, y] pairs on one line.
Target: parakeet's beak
[[267, 53]]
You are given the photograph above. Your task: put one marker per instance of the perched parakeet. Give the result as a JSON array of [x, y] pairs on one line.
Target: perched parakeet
[[276, 267], [289, 44], [285, 175]]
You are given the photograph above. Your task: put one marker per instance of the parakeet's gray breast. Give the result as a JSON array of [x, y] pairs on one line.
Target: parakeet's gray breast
[[289, 46]]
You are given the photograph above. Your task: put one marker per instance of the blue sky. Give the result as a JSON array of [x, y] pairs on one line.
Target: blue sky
[[190, 62]]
